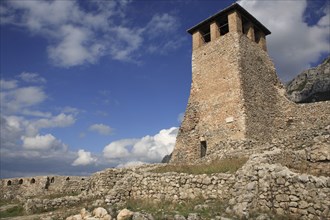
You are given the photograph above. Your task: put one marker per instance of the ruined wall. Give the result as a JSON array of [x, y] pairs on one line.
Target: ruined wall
[[19, 188], [262, 185], [171, 187]]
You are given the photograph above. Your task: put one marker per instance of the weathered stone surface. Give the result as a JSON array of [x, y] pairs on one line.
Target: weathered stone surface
[[100, 212], [311, 85], [125, 214]]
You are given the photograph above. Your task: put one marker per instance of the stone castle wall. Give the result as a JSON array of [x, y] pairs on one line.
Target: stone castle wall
[[16, 188], [264, 183]]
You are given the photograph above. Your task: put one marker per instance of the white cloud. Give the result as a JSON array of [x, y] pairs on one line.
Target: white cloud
[[42, 142], [60, 120], [31, 77], [20, 98], [293, 44], [8, 84], [101, 129], [146, 149], [84, 158], [119, 149], [162, 23], [71, 110], [11, 129], [74, 48], [78, 36], [131, 164], [126, 41], [36, 113]]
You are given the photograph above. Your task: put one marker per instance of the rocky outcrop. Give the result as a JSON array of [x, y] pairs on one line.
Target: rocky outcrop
[[166, 158], [311, 85]]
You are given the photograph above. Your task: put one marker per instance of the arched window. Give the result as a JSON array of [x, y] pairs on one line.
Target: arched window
[[20, 181], [32, 181], [9, 183]]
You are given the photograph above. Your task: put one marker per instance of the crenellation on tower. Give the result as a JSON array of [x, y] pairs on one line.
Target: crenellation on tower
[[232, 19], [235, 22]]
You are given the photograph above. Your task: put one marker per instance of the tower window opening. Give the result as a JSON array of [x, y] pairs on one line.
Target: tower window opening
[[32, 181], [257, 35], [9, 183], [222, 23], [206, 34], [20, 181], [246, 25], [203, 148]]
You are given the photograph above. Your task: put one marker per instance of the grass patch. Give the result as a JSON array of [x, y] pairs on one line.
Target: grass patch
[[12, 212], [56, 195], [206, 209], [164, 209], [227, 165]]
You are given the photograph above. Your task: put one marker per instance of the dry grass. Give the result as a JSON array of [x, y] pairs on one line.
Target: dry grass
[[228, 165], [166, 209]]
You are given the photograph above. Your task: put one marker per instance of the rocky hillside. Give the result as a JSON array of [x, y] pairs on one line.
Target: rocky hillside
[[311, 85]]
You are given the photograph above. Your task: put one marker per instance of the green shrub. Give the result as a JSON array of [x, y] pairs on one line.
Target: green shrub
[[12, 212]]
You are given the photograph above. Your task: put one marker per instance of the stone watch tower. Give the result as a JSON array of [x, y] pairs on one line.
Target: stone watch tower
[[235, 90]]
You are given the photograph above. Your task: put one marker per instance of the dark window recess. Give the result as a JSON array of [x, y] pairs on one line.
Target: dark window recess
[[32, 181], [203, 148], [9, 183], [47, 183], [257, 35], [206, 35], [20, 181], [67, 179], [223, 25], [52, 180], [245, 24]]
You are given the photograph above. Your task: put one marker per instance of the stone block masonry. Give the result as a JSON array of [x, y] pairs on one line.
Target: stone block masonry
[[235, 93], [263, 184], [22, 188]]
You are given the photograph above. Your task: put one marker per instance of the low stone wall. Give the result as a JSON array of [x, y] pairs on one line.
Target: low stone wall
[[21, 188], [265, 186], [41, 205], [260, 185], [171, 187], [263, 183], [103, 181]]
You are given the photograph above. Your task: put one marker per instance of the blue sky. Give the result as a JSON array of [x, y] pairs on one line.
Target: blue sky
[[87, 85]]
